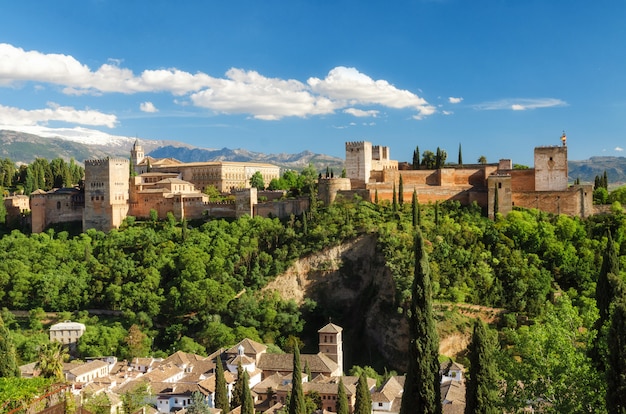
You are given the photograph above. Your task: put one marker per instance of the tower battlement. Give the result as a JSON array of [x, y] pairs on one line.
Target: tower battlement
[[104, 161], [355, 144]]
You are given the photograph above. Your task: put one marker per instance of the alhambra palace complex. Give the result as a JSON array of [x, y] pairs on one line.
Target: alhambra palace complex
[[110, 193]]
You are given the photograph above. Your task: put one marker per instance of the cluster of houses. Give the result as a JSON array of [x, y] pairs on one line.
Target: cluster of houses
[[172, 380]]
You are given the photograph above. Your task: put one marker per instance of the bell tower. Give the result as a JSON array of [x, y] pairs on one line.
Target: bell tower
[[331, 343], [136, 156]]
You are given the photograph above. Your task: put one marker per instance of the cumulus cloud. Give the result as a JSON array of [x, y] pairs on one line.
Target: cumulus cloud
[[16, 116], [360, 113], [454, 100], [264, 98], [349, 86], [619, 149], [239, 92], [148, 107], [520, 104]]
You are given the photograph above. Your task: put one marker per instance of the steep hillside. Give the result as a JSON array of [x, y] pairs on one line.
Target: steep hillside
[[587, 170]]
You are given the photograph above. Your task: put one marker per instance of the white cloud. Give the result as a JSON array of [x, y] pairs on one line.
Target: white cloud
[[619, 149], [520, 104], [264, 98], [240, 91], [454, 100], [359, 113], [351, 87], [16, 116], [148, 107], [447, 112]]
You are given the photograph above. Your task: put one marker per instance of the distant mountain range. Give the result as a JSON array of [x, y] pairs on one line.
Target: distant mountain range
[[23, 147]]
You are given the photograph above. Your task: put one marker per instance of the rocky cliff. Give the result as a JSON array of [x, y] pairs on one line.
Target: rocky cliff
[[352, 285]]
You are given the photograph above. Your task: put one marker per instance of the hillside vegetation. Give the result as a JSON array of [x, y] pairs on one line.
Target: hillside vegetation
[[206, 285]]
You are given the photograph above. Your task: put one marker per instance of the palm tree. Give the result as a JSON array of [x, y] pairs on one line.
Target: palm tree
[[50, 360]]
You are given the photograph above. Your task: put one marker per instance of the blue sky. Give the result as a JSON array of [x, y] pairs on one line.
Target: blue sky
[[498, 77]]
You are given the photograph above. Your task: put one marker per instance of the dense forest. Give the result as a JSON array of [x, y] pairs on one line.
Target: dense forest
[[198, 286]]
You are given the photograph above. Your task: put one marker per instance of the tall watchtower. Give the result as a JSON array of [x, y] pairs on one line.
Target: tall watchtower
[[106, 193], [359, 161], [136, 156], [331, 343], [551, 167]]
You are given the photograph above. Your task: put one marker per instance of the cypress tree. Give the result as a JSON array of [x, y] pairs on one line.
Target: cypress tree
[[307, 371], [496, 201], [297, 404], [8, 361], [414, 208], [416, 158], [363, 403], [604, 287], [605, 181], [342, 399], [401, 191], [422, 393], [460, 162], [395, 198], [438, 159], [221, 393], [237, 396], [376, 196], [436, 213], [481, 394], [616, 364], [247, 405]]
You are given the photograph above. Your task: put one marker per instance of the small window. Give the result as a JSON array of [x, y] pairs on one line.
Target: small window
[[58, 205]]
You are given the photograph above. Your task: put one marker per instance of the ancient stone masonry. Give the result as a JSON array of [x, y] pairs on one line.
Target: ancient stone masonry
[[494, 187], [107, 191]]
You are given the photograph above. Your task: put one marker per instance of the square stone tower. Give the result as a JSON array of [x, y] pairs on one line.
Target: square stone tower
[[551, 168], [331, 343], [106, 193], [359, 161]]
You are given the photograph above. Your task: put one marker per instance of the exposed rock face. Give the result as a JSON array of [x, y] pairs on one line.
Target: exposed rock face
[[353, 285]]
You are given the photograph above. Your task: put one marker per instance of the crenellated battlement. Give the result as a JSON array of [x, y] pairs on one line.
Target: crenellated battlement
[[355, 144], [104, 161]]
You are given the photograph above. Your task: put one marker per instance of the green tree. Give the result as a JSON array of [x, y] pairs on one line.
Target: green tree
[[50, 360], [3, 209], [236, 398], [256, 181], [428, 160], [416, 158], [401, 192], [496, 202], [421, 387], [297, 404], [8, 362], [342, 406], [221, 392], [394, 200], [460, 161], [198, 404], [247, 405], [363, 402], [616, 366], [481, 394], [415, 208], [135, 398], [482, 160]]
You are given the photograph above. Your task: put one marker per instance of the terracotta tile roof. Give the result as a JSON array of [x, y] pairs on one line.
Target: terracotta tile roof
[[390, 390], [241, 359], [454, 392], [330, 328], [163, 373], [250, 347], [88, 367], [318, 363], [274, 408]]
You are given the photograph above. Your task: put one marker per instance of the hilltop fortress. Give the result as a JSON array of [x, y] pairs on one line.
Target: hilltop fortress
[[371, 173], [115, 188]]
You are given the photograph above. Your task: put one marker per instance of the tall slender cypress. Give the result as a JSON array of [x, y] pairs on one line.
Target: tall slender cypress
[[247, 405], [401, 191], [496, 201], [616, 366], [297, 405], [460, 162], [604, 289], [376, 196], [414, 208], [416, 158], [422, 393], [394, 201], [342, 399], [363, 402], [237, 396], [481, 394], [221, 392]]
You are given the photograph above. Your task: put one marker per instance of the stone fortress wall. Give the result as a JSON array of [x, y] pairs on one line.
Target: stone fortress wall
[[544, 187]]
